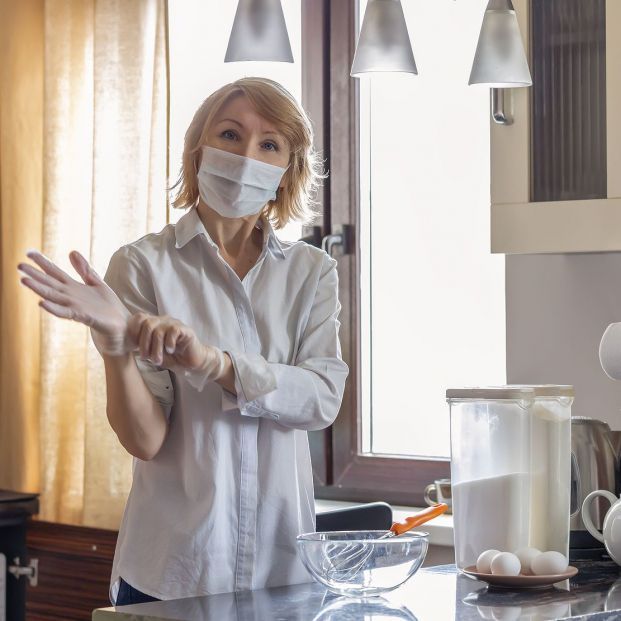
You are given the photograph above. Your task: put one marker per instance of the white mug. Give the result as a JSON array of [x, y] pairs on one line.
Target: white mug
[[611, 533]]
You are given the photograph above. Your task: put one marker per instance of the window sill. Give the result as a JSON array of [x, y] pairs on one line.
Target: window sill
[[440, 529]]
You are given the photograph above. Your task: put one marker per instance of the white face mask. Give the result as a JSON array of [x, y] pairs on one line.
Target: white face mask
[[235, 185]]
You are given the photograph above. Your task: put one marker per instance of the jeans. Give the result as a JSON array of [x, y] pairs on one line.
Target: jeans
[[129, 595]]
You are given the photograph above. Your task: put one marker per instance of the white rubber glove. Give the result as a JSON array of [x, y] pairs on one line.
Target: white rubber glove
[[169, 343], [93, 303]]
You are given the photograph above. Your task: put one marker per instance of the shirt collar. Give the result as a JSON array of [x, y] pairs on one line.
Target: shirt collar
[[190, 225]]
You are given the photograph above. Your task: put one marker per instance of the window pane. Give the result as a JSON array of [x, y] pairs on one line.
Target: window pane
[[433, 313], [199, 35]]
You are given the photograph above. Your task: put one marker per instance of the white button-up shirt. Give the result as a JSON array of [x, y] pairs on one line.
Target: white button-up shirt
[[218, 509]]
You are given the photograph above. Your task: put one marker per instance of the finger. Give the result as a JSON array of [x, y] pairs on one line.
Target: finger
[[83, 268], [38, 275], [48, 293], [157, 345], [144, 339], [170, 340], [56, 309], [183, 341], [48, 267]]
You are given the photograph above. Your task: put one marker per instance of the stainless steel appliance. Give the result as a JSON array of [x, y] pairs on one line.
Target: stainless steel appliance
[[594, 465]]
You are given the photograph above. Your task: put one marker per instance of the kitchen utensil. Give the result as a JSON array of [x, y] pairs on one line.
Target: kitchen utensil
[[392, 560], [594, 466], [439, 492], [348, 561], [521, 581], [612, 523], [510, 469]]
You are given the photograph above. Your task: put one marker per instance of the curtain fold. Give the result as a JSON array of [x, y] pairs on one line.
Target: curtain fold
[[103, 161], [21, 156]]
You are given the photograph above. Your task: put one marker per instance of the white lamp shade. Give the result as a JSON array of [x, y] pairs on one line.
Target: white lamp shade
[[384, 44], [500, 60], [259, 33]]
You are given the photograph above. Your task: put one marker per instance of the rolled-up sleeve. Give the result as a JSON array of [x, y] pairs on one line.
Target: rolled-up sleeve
[[130, 280], [307, 394]]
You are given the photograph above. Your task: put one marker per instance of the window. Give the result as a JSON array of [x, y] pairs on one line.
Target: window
[[423, 298], [432, 303]]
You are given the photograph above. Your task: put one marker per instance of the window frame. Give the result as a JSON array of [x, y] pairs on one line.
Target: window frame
[[331, 97]]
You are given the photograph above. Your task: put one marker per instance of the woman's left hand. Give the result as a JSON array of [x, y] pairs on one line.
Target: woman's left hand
[[169, 343]]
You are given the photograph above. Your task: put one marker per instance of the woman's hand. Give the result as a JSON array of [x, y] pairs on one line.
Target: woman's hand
[[93, 303], [169, 343]]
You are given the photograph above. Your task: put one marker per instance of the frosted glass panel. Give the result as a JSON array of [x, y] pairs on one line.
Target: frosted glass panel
[[199, 34], [432, 295], [569, 99]]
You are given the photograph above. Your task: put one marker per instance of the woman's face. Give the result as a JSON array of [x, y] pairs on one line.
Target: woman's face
[[239, 129]]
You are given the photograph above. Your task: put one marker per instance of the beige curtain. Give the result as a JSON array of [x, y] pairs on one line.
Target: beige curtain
[[104, 120]]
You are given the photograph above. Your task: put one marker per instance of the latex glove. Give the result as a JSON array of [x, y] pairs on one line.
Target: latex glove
[[93, 303], [169, 343]]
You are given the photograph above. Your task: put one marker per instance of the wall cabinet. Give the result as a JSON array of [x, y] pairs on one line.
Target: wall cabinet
[[556, 170]]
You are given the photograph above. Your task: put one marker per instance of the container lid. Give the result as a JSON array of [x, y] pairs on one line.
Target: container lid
[[552, 390], [510, 392], [491, 393]]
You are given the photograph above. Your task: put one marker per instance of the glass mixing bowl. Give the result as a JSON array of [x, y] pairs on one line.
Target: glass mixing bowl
[[364, 562]]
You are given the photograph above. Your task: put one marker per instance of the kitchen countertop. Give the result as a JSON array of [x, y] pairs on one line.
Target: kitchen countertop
[[433, 594]]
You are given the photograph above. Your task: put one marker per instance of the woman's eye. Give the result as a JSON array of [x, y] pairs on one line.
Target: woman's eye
[[228, 134], [270, 146]]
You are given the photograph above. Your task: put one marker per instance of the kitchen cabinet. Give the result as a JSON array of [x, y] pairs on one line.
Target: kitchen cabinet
[[434, 594], [556, 170]]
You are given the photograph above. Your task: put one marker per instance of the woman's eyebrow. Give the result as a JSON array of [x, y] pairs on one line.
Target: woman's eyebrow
[[238, 123]]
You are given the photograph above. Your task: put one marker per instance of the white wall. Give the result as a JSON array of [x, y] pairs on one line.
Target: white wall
[[557, 309]]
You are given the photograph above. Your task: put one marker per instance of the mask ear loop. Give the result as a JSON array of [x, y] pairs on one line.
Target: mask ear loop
[[198, 197]]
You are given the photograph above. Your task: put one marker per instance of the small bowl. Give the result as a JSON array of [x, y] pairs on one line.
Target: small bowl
[[361, 563]]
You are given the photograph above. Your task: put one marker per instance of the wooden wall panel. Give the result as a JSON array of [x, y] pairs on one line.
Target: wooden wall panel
[[74, 571]]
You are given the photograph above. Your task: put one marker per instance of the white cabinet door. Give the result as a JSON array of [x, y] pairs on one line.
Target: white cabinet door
[[520, 224]]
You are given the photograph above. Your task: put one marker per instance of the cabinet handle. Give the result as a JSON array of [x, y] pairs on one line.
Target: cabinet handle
[[31, 570]]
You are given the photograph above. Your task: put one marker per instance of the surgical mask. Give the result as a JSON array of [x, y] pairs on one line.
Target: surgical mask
[[235, 185]]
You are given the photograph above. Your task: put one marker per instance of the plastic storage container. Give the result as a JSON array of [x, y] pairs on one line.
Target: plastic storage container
[[510, 469]]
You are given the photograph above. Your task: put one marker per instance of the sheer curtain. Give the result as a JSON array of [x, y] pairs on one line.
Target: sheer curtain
[[104, 145]]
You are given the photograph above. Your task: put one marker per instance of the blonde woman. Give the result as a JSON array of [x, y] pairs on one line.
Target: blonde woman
[[221, 350]]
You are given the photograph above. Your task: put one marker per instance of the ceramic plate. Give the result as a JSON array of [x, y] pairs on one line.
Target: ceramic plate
[[520, 582]]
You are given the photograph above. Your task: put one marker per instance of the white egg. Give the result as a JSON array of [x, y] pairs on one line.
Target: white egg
[[549, 564], [505, 564], [485, 560], [526, 556]]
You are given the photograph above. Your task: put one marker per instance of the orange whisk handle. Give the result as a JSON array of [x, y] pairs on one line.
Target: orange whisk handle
[[420, 518]]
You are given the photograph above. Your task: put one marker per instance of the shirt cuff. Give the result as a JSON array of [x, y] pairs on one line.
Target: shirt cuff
[[253, 379]]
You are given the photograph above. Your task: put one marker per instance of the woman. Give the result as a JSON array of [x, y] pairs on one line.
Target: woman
[[221, 349]]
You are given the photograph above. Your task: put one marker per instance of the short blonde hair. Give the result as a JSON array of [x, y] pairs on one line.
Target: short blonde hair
[[295, 201]]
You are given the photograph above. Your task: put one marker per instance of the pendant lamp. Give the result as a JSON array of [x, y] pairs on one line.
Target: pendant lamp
[[500, 60], [259, 33], [384, 44]]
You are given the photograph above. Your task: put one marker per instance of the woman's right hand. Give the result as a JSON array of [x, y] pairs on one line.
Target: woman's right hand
[[93, 303]]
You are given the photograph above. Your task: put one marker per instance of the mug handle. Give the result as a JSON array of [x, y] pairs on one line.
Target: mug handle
[[427, 494], [586, 511]]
